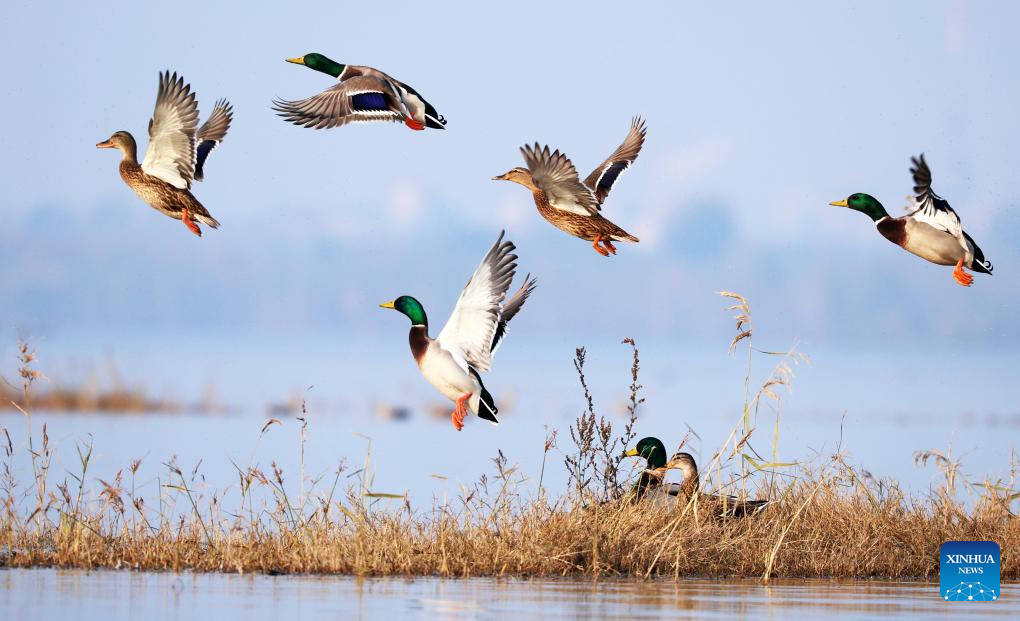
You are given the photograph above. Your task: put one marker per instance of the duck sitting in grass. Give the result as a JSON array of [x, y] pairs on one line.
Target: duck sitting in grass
[[653, 476], [362, 95], [176, 153], [931, 229], [572, 206], [467, 343]]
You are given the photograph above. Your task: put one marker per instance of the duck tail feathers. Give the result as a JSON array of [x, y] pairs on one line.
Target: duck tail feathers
[[486, 404]]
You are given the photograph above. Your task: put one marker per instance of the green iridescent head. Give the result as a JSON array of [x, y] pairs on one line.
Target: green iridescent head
[[410, 307], [864, 203], [652, 449], [319, 63]]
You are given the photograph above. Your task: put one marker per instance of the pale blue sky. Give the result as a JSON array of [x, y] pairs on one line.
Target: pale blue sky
[[758, 116]]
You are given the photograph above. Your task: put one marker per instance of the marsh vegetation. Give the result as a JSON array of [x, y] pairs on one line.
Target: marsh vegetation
[[827, 516]]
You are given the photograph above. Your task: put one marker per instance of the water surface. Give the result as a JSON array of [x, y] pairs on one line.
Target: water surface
[[72, 594]]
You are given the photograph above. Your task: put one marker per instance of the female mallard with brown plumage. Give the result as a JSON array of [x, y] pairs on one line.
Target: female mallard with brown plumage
[[175, 154], [931, 230], [572, 206]]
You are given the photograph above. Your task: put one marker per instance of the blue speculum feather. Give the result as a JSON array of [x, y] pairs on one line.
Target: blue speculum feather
[[609, 178], [369, 101], [203, 152]]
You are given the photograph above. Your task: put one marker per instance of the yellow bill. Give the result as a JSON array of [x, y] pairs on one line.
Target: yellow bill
[[841, 203], [386, 305], [300, 60]]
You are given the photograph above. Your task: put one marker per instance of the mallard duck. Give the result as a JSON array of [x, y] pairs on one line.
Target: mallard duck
[[568, 204], [653, 476], [654, 453], [467, 343], [723, 506], [175, 154], [931, 229], [363, 95]]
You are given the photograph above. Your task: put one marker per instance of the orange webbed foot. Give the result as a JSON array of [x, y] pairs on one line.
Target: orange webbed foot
[[962, 277], [459, 412], [599, 249], [609, 246], [190, 223], [413, 124]]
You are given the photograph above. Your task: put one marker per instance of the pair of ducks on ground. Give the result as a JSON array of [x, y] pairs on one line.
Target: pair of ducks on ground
[[452, 363], [651, 485]]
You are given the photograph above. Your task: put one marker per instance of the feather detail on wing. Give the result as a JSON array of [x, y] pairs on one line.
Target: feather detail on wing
[[931, 208], [361, 98], [470, 330], [601, 180], [170, 154], [511, 308], [211, 134], [555, 175]]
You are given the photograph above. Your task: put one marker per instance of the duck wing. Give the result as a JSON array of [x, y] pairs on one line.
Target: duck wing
[[555, 175], [469, 332], [931, 208], [601, 180], [511, 308], [170, 154], [361, 98], [212, 133]]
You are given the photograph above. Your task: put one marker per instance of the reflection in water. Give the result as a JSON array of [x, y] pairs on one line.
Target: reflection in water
[[52, 593]]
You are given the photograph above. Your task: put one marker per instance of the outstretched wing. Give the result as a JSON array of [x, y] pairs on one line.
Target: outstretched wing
[[931, 208], [170, 154], [362, 98], [212, 133], [469, 331], [511, 308], [555, 175], [601, 180]]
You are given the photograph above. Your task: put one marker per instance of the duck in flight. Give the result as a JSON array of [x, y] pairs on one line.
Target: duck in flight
[[361, 95], [931, 229], [567, 203], [452, 362], [176, 153]]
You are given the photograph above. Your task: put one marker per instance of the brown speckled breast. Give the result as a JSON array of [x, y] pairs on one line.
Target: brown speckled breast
[[159, 194], [584, 227]]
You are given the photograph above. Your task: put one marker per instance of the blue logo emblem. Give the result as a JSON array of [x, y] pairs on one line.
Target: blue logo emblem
[[969, 571]]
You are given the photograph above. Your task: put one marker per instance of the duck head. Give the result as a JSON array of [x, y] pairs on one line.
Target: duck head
[[864, 203], [120, 140], [684, 462], [410, 307], [652, 450], [518, 175], [320, 63]]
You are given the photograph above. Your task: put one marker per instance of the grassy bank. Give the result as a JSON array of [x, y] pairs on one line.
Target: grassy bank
[[826, 518]]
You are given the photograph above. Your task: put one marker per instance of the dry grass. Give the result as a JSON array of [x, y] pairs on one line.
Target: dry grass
[[90, 396], [828, 518]]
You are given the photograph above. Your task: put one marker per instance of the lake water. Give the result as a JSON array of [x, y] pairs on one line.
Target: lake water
[[64, 594], [877, 407]]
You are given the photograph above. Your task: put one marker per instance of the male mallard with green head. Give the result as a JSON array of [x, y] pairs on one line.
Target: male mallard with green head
[[931, 230], [653, 452], [176, 153], [467, 343], [363, 94], [568, 204]]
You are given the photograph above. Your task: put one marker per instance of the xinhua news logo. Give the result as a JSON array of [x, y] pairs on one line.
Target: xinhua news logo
[[969, 571]]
